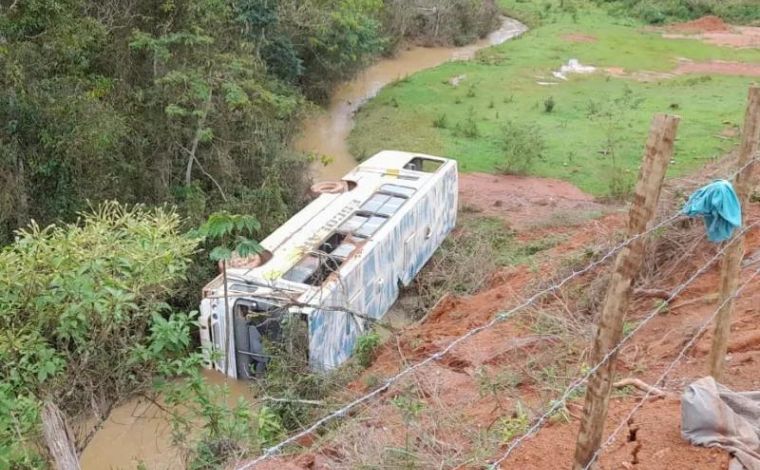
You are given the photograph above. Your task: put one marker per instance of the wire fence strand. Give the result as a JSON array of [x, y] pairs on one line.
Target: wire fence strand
[[561, 402], [273, 450], [668, 369]]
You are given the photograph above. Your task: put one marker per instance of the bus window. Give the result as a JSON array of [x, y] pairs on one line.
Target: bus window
[[370, 227], [397, 190], [303, 270], [315, 267], [426, 165], [382, 204], [353, 223], [375, 202], [391, 206]]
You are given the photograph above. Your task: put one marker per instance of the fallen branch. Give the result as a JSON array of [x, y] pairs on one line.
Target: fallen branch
[[294, 400], [653, 293], [643, 386]]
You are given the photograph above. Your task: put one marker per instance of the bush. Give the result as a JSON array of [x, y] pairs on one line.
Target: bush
[[436, 22], [366, 348], [549, 104], [441, 122], [620, 184], [80, 307], [523, 145], [669, 11]]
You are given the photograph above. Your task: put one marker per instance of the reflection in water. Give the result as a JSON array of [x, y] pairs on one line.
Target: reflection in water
[[326, 133], [139, 431]]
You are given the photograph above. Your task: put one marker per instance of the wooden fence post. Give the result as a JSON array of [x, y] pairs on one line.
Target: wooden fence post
[[58, 438], [659, 150], [731, 262]]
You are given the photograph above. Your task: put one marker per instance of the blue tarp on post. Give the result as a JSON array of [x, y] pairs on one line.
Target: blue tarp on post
[[718, 204]]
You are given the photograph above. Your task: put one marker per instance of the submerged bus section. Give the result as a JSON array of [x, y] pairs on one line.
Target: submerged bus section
[[333, 267]]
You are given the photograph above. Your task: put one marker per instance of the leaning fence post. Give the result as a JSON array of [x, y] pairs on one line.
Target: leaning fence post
[[731, 263], [659, 150]]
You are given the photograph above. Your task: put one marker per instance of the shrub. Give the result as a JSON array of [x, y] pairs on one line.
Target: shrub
[[549, 104], [85, 304], [620, 184], [441, 122], [469, 127], [366, 348], [523, 145], [668, 11], [432, 22]]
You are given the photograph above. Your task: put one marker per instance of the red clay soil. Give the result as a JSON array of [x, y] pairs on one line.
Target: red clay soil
[[459, 411], [713, 30], [523, 201], [702, 25]]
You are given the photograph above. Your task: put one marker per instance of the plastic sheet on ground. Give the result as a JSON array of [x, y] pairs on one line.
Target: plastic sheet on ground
[[714, 416]]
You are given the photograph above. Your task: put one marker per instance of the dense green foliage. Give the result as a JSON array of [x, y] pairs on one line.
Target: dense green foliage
[[192, 102], [82, 311], [667, 11], [440, 22], [141, 102]]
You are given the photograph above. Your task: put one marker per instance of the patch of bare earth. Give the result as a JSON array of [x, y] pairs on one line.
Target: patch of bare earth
[[524, 201], [713, 30], [578, 37]]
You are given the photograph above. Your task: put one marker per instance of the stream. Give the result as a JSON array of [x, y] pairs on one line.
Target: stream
[[326, 133], [137, 431]]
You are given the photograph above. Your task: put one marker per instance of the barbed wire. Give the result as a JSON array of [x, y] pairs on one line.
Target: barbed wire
[[269, 452], [561, 402], [749, 163], [670, 367]]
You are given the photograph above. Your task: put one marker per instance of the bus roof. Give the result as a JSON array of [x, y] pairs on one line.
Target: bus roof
[[398, 173]]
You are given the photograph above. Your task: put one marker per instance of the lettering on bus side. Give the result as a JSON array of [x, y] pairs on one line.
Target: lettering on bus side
[[331, 224]]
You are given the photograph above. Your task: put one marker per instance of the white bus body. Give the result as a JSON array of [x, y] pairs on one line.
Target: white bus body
[[345, 252]]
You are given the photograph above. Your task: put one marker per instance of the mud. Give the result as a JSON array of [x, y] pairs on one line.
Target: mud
[[326, 133]]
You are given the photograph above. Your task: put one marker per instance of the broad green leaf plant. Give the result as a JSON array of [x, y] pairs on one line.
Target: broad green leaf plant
[[230, 233]]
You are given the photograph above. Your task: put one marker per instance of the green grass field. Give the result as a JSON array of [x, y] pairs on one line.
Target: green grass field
[[599, 123]]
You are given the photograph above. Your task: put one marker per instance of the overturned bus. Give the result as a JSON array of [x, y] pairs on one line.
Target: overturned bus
[[335, 266]]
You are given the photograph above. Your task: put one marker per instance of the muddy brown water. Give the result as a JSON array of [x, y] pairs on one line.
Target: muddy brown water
[[138, 431]]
